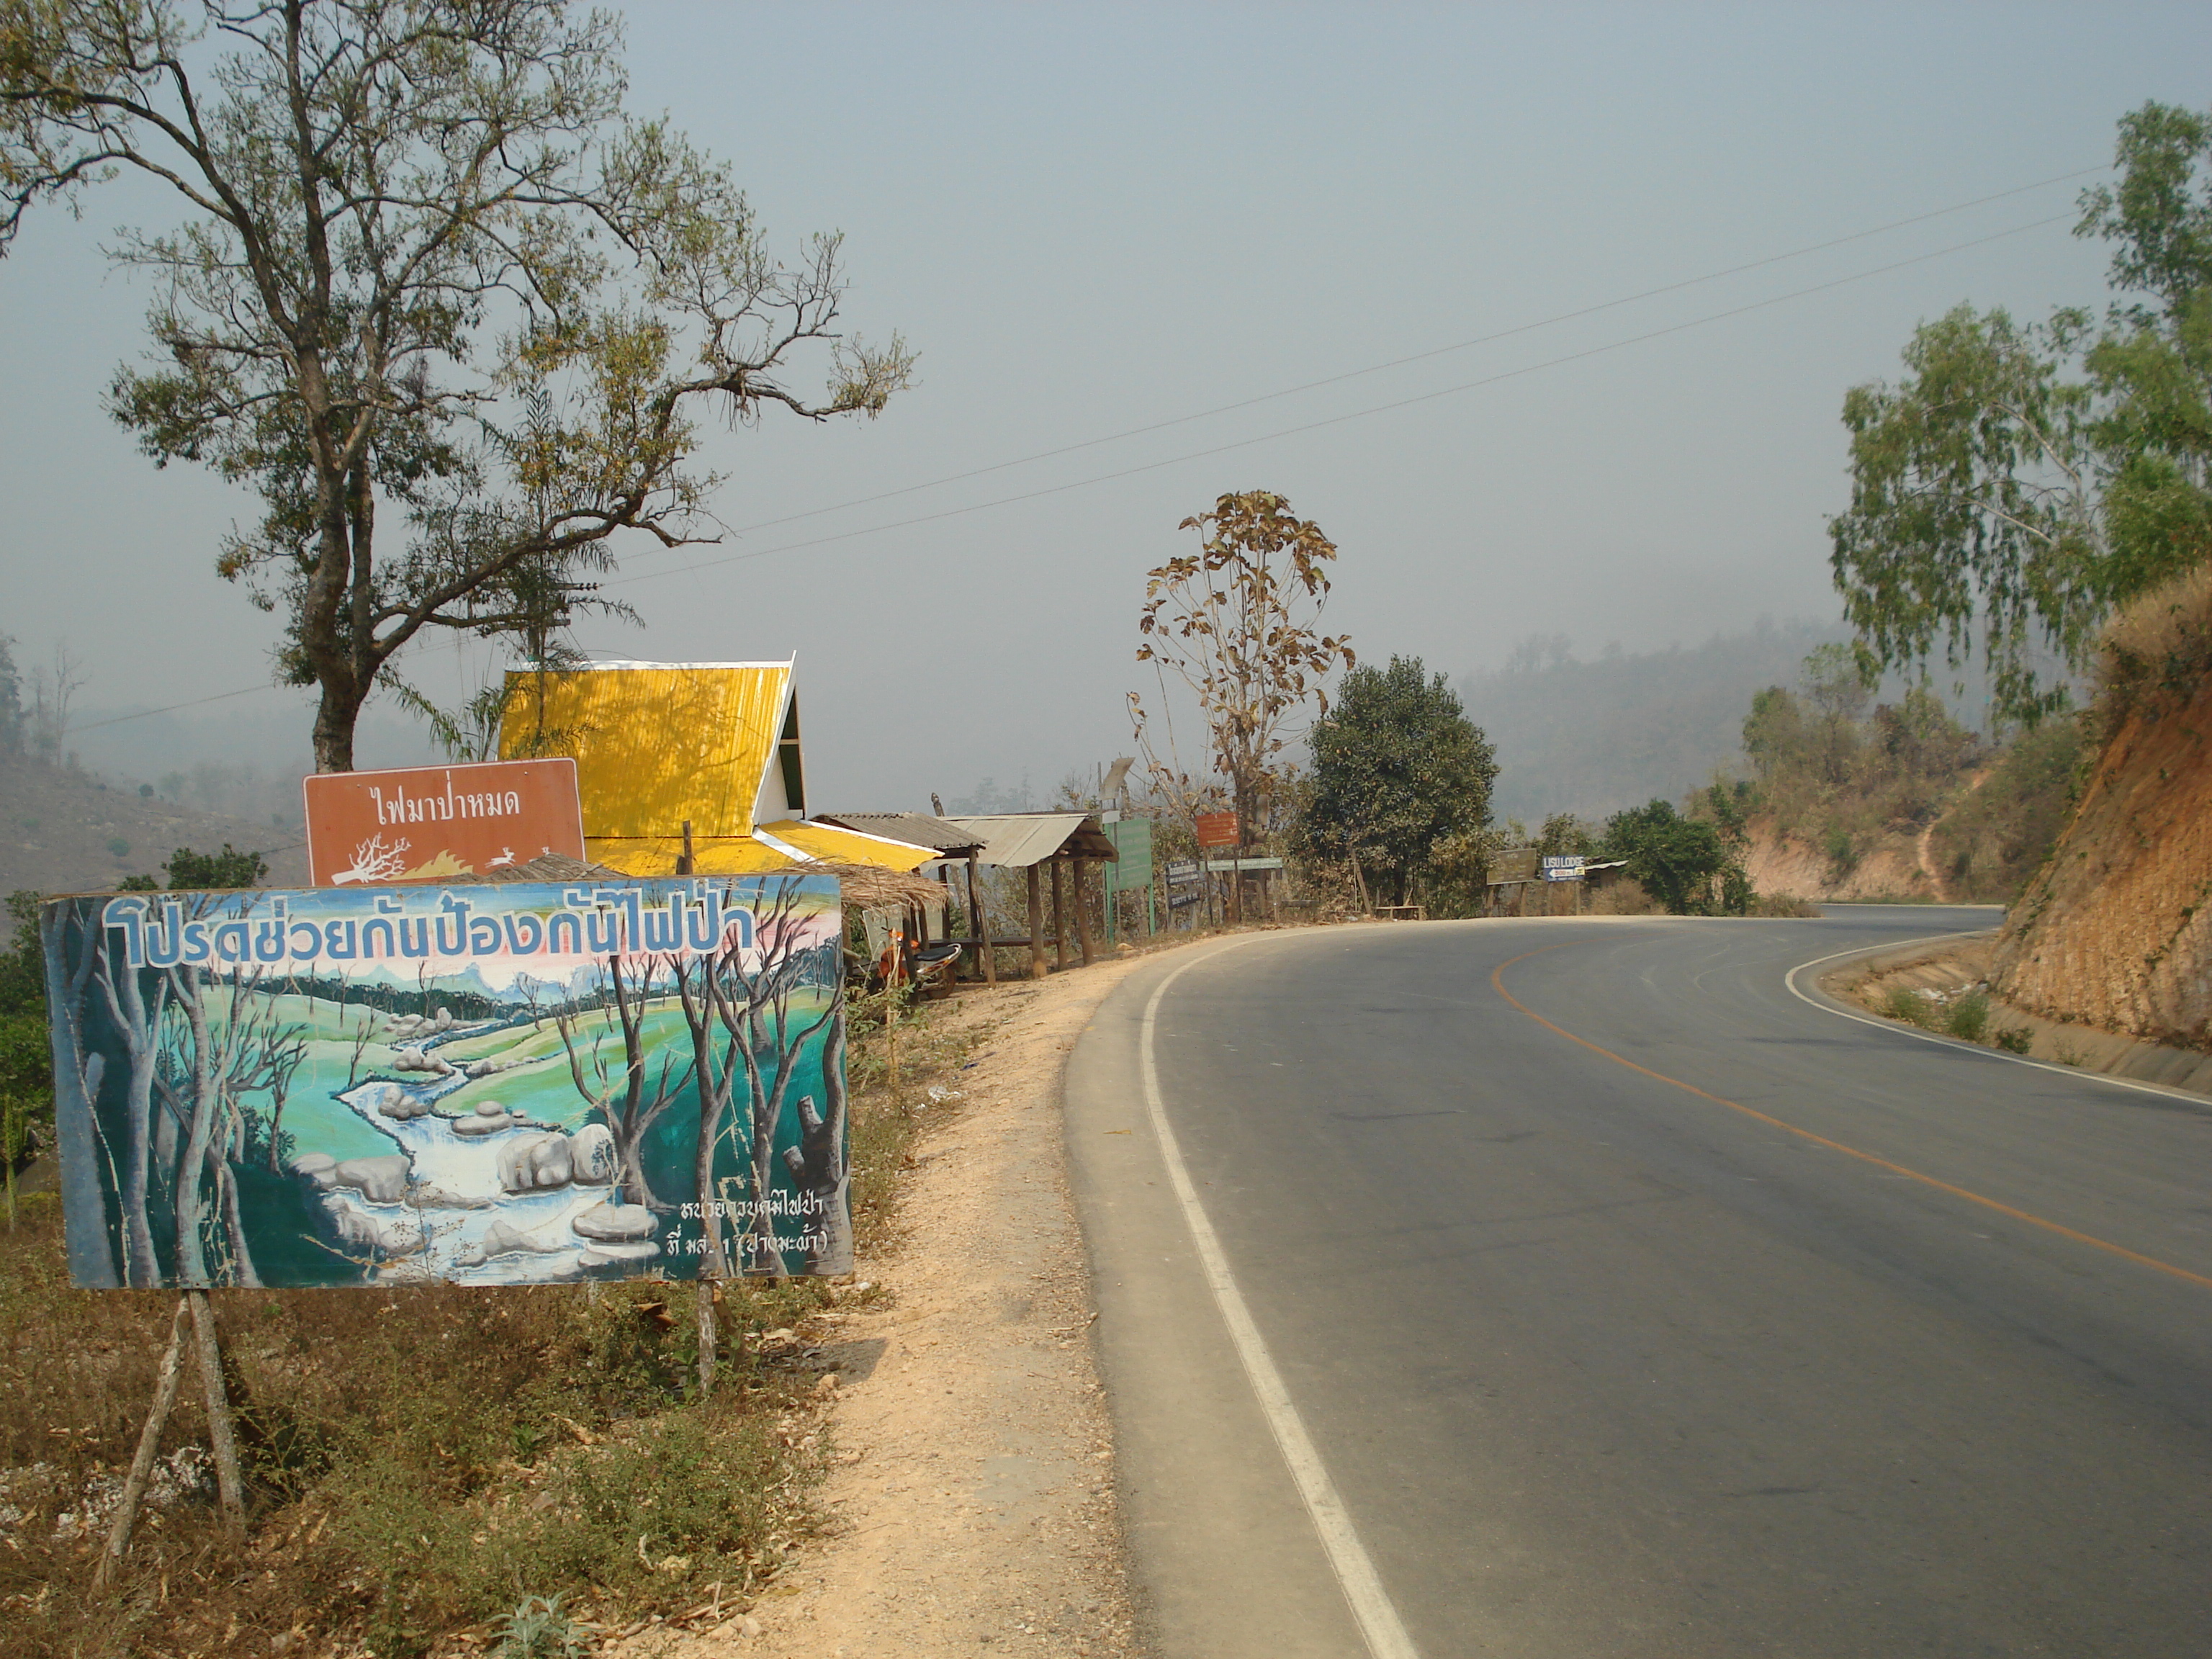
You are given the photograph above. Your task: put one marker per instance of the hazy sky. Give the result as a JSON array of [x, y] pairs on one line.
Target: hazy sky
[[1093, 219]]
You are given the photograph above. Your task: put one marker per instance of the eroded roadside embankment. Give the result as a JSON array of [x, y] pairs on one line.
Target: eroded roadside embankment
[[1941, 975]]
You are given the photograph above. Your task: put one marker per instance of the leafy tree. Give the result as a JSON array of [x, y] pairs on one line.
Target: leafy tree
[[1686, 863], [27, 1070], [1774, 733], [1399, 772], [1917, 738], [1564, 833], [1236, 623], [434, 274], [22, 966], [1835, 690], [214, 872], [1992, 488]]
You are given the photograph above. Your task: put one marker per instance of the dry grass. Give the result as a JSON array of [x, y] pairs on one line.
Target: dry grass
[[2159, 645], [1783, 904], [1623, 897], [421, 1459]]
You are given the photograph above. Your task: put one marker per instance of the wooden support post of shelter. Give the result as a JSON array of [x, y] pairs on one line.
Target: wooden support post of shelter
[[981, 924], [1059, 916], [1012, 840], [1081, 911], [1038, 969]]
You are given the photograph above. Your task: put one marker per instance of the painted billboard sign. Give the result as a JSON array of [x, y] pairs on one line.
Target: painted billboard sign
[[434, 823], [485, 1084]]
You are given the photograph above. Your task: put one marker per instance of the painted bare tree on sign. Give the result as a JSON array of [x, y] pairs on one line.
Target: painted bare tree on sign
[[68, 974], [818, 1164], [748, 1031], [626, 1094], [198, 1046], [139, 1019], [774, 1034], [229, 1045]]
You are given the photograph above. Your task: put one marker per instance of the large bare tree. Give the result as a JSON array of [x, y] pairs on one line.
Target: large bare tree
[[1237, 622], [431, 268]]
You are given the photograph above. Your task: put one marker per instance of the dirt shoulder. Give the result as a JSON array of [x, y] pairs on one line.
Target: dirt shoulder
[[1943, 972], [971, 1476]]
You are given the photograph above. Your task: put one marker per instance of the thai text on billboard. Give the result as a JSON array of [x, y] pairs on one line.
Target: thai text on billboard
[[434, 823]]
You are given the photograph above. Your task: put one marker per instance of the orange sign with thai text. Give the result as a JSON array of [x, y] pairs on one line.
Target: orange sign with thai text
[[1217, 830], [433, 823]]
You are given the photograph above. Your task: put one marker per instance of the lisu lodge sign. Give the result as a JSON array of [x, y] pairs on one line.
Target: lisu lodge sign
[[1563, 866], [433, 822], [482, 1083]]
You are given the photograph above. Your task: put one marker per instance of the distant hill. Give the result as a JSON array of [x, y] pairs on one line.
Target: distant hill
[[63, 830], [1594, 737]]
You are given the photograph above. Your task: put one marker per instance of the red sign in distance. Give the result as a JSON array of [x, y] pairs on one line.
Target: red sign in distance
[[433, 823], [1217, 830]]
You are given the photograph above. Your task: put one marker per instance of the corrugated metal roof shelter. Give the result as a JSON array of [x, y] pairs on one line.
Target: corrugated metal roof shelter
[[817, 839], [1063, 842], [948, 841], [1015, 841], [951, 840]]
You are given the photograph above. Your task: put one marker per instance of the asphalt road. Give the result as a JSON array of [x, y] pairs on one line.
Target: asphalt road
[[1599, 1364]]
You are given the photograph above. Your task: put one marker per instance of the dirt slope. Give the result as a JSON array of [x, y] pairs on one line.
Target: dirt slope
[[1783, 864], [59, 830], [2114, 930]]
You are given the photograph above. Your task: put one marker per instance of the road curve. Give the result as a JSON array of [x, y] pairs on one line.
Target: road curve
[[1631, 1304]]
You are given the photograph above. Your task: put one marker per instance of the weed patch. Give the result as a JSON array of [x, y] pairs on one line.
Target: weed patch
[[1908, 1005], [1968, 1017]]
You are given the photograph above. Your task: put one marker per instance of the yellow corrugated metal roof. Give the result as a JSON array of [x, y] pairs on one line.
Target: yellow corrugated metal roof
[[841, 845], [714, 855], [656, 744]]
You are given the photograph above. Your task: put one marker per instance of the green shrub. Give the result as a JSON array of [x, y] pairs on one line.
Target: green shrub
[[541, 1628], [2015, 1039], [1842, 851], [1907, 1005], [1969, 1017]]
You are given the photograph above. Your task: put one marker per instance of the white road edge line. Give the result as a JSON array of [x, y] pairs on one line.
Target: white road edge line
[[1372, 1607], [1789, 982]]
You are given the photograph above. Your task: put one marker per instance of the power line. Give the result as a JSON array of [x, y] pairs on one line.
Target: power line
[[171, 708], [1420, 356], [1338, 420], [1309, 386]]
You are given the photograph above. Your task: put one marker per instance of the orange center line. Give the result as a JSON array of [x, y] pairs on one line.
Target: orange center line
[[1498, 984]]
